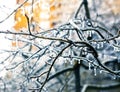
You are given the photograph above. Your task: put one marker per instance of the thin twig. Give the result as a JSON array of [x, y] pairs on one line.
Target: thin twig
[[39, 75], [13, 11], [28, 23]]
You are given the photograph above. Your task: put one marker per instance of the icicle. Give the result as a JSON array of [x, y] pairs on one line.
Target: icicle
[[94, 44], [98, 46], [89, 66], [83, 24], [70, 52], [54, 33], [70, 34], [95, 72], [116, 48], [102, 44], [89, 33], [78, 61], [84, 52], [71, 62]]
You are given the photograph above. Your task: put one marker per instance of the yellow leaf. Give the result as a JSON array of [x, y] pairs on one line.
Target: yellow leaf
[[20, 20]]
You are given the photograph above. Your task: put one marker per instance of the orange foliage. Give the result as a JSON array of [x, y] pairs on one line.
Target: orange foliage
[[52, 8], [14, 44], [112, 5], [41, 12], [33, 12], [20, 20], [36, 13]]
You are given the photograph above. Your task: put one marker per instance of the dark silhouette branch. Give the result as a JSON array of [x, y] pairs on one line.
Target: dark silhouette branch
[[85, 2], [77, 77], [52, 66]]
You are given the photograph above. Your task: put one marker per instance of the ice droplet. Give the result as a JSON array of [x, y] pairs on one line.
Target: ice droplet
[[54, 33], [65, 61], [114, 77], [100, 71], [52, 54], [95, 72]]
